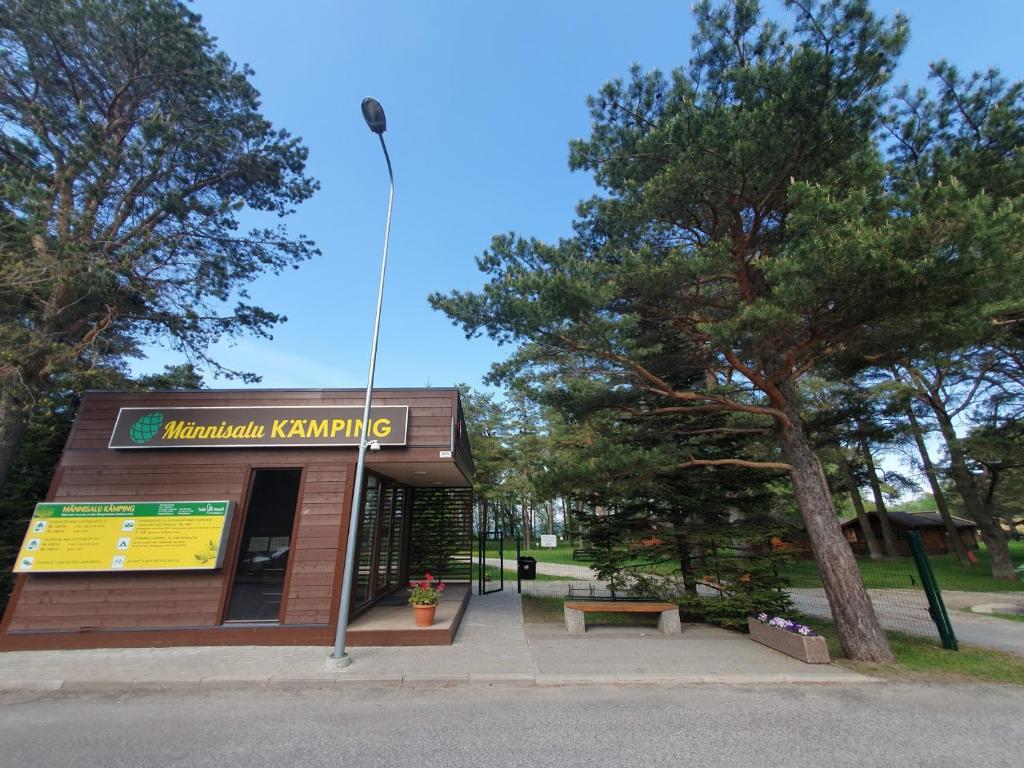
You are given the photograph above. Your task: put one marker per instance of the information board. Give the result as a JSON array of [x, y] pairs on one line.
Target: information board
[[548, 540], [125, 536]]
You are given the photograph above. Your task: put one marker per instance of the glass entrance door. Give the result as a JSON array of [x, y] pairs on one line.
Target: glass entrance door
[[266, 541], [381, 530]]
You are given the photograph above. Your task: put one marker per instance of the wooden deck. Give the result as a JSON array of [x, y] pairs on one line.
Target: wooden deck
[[395, 625]]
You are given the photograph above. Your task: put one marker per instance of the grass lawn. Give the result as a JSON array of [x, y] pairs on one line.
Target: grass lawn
[[951, 575], [917, 658], [561, 554], [897, 572], [887, 573]]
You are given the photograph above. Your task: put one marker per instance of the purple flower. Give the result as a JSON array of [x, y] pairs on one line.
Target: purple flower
[[786, 624]]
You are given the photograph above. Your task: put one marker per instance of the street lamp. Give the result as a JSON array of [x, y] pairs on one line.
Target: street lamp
[[373, 113]]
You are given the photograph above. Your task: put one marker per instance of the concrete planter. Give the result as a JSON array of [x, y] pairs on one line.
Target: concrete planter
[[812, 650]]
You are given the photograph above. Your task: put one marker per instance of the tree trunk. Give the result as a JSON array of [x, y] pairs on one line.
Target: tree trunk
[[888, 534], [508, 515], [577, 538], [568, 519], [860, 634], [937, 494], [995, 540], [874, 551], [527, 526], [988, 499], [565, 517], [685, 564], [13, 424]]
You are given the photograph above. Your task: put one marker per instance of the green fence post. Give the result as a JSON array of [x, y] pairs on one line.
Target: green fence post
[[936, 607]]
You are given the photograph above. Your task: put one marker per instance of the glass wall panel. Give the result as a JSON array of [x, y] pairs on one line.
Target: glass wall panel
[[384, 540], [397, 529], [367, 537], [381, 530]]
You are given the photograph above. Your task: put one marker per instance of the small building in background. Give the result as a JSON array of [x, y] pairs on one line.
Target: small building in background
[[793, 542], [933, 532]]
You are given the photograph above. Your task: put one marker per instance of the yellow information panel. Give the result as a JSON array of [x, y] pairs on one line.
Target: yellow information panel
[[125, 536]]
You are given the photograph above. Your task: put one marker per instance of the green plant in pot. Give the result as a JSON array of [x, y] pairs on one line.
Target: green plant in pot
[[423, 597]]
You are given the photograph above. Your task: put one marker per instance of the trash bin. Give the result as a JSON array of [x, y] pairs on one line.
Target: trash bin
[[527, 568]]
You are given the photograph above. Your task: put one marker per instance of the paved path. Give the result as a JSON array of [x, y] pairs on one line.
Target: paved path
[[987, 631], [901, 610], [492, 646], [907, 611], [562, 570], [711, 726], [701, 654]]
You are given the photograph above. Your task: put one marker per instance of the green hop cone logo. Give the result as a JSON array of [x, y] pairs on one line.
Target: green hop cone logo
[[146, 428]]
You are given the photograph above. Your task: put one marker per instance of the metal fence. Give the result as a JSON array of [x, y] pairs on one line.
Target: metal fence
[[903, 590]]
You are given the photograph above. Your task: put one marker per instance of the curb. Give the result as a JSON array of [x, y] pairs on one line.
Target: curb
[[73, 686]]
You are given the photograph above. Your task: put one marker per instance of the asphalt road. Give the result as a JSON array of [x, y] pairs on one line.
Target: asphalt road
[[878, 724]]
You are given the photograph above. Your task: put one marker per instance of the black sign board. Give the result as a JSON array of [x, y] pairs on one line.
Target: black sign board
[[258, 427]]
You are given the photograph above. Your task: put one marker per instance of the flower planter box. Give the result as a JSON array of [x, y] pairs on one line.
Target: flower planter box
[[812, 650]]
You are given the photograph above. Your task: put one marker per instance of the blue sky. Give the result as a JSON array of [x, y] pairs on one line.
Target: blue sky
[[482, 99]]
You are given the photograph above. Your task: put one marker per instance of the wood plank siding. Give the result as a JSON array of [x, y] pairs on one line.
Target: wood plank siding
[[189, 606]]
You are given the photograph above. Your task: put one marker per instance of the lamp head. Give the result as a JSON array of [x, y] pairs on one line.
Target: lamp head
[[373, 114]]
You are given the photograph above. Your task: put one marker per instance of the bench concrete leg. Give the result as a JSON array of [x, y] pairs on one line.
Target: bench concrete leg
[[575, 623], [668, 622]]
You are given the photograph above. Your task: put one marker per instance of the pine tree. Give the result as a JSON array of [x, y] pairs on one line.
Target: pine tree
[[747, 209], [130, 145]]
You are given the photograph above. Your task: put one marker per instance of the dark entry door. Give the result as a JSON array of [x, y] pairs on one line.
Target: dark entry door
[[266, 543], [379, 561], [491, 562]]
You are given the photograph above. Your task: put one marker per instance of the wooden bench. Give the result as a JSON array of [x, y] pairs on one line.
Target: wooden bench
[[575, 613]]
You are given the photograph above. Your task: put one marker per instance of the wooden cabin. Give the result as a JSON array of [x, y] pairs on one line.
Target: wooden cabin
[[933, 532], [214, 517]]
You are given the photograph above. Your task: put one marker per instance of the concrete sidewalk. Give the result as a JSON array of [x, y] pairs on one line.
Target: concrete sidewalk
[[492, 647]]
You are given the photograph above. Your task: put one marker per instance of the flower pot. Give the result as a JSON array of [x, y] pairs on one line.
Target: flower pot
[[424, 614], [812, 650]]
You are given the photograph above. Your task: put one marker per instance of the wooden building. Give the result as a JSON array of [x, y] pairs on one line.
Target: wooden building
[[284, 463], [933, 532]]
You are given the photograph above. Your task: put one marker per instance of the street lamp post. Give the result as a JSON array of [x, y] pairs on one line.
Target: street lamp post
[[373, 113]]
